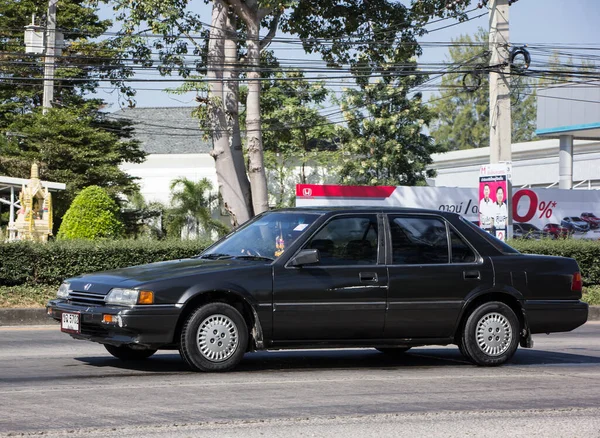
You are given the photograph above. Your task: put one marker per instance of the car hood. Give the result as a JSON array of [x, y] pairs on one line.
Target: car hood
[[103, 282]]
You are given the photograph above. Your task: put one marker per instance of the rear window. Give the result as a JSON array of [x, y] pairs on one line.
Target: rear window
[[492, 240]]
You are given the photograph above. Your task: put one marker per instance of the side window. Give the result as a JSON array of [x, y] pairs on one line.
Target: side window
[[418, 240], [347, 240], [461, 252]]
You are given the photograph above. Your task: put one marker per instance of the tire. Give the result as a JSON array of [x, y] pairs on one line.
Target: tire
[[125, 352], [205, 350], [462, 350], [394, 351], [491, 334]]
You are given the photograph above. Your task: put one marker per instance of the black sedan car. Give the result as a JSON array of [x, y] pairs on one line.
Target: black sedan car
[[389, 279]]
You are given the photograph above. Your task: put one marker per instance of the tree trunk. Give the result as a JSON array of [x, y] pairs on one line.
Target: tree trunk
[[256, 169], [227, 177], [231, 96]]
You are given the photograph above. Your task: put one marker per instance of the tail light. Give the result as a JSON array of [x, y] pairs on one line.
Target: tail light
[[576, 283]]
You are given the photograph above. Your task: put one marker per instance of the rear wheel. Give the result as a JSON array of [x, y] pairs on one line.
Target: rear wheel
[[491, 334], [214, 338], [394, 351], [125, 352]]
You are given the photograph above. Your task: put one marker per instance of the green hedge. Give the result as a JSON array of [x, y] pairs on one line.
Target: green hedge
[[28, 263], [586, 252]]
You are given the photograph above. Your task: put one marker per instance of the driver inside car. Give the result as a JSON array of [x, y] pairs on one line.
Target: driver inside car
[[262, 242]]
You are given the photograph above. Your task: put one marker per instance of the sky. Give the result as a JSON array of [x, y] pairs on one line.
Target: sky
[[549, 22]]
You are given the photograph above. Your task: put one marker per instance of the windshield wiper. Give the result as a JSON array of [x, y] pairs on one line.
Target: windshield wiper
[[254, 257], [215, 256]]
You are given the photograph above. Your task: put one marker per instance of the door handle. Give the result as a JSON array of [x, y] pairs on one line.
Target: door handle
[[370, 277], [471, 275]]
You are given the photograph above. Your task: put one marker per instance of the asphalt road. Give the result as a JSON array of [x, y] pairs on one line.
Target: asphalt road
[[53, 385]]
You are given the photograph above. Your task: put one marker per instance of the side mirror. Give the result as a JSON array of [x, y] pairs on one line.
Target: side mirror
[[306, 257]]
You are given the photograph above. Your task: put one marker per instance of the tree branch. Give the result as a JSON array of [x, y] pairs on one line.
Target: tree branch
[[264, 43], [241, 9], [188, 36], [263, 12]]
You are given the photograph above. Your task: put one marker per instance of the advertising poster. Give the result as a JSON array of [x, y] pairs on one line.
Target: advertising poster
[[493, 198], [536, 212]]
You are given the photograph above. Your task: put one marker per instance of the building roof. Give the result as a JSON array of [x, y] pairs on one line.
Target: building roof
[[166, 130]]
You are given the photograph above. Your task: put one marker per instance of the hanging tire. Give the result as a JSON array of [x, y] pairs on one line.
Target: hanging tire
[[214, 338], [125, 352], [394, 351], [491, 334]]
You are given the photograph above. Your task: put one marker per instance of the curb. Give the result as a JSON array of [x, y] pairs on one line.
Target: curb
[[37, 316], [33, 316]]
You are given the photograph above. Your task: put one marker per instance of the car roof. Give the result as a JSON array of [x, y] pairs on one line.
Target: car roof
[[363, 209]]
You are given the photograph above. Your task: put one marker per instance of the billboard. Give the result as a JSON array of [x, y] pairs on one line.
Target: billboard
[[549, 209], [493, 198]]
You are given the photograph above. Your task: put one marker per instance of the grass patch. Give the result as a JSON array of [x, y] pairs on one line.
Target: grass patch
[[26, 296], [591, 295]]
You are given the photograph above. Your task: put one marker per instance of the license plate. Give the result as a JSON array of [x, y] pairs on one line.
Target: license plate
[[71, 322]]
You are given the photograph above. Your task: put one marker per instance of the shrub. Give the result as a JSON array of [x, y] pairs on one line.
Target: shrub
[[591, 295], [29, 263], [92, 215]]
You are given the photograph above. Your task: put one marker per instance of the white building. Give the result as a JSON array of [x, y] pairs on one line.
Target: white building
[[535, 164]]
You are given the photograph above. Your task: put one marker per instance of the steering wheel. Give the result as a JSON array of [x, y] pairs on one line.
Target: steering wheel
[[251, 252]]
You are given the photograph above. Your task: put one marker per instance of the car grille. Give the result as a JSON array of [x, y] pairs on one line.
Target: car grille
[[85, 298]]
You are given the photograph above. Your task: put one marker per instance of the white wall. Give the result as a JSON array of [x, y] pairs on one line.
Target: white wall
[[534, 164], [157, 172]]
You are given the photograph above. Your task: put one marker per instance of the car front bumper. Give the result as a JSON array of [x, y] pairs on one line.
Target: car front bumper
[[151, 326]]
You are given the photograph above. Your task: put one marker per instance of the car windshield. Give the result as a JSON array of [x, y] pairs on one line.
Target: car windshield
[[264, 238], [573, 218]]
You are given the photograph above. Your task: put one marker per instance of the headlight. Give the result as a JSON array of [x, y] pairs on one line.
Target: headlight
[[63, 290], [129, 297]]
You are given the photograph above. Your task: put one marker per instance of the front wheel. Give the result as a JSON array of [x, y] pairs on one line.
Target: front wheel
[[214, 338], [125, 352], [491, 334]]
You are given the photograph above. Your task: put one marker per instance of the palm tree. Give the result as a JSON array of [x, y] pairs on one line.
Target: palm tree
[[193, 201]]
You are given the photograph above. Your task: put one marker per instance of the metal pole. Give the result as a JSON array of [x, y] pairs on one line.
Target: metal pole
[[50, 55]]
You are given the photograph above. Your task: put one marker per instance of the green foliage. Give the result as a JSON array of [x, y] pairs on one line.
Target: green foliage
[[298, 140], [92, 215], [383, 143], [585, 252], [29, 263], [83, 62], [73, 143], [193, 201], [591, 295], [461, 117], [25, 296], [74, 146]]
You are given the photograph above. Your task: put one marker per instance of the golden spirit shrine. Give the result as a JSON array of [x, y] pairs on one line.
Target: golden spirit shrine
[[34, 218]]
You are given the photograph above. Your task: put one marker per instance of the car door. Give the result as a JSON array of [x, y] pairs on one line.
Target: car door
[[431, 270], [344, 295]]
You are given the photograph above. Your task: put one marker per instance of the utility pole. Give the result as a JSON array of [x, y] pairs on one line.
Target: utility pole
[[500, 119], [50, 56]]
